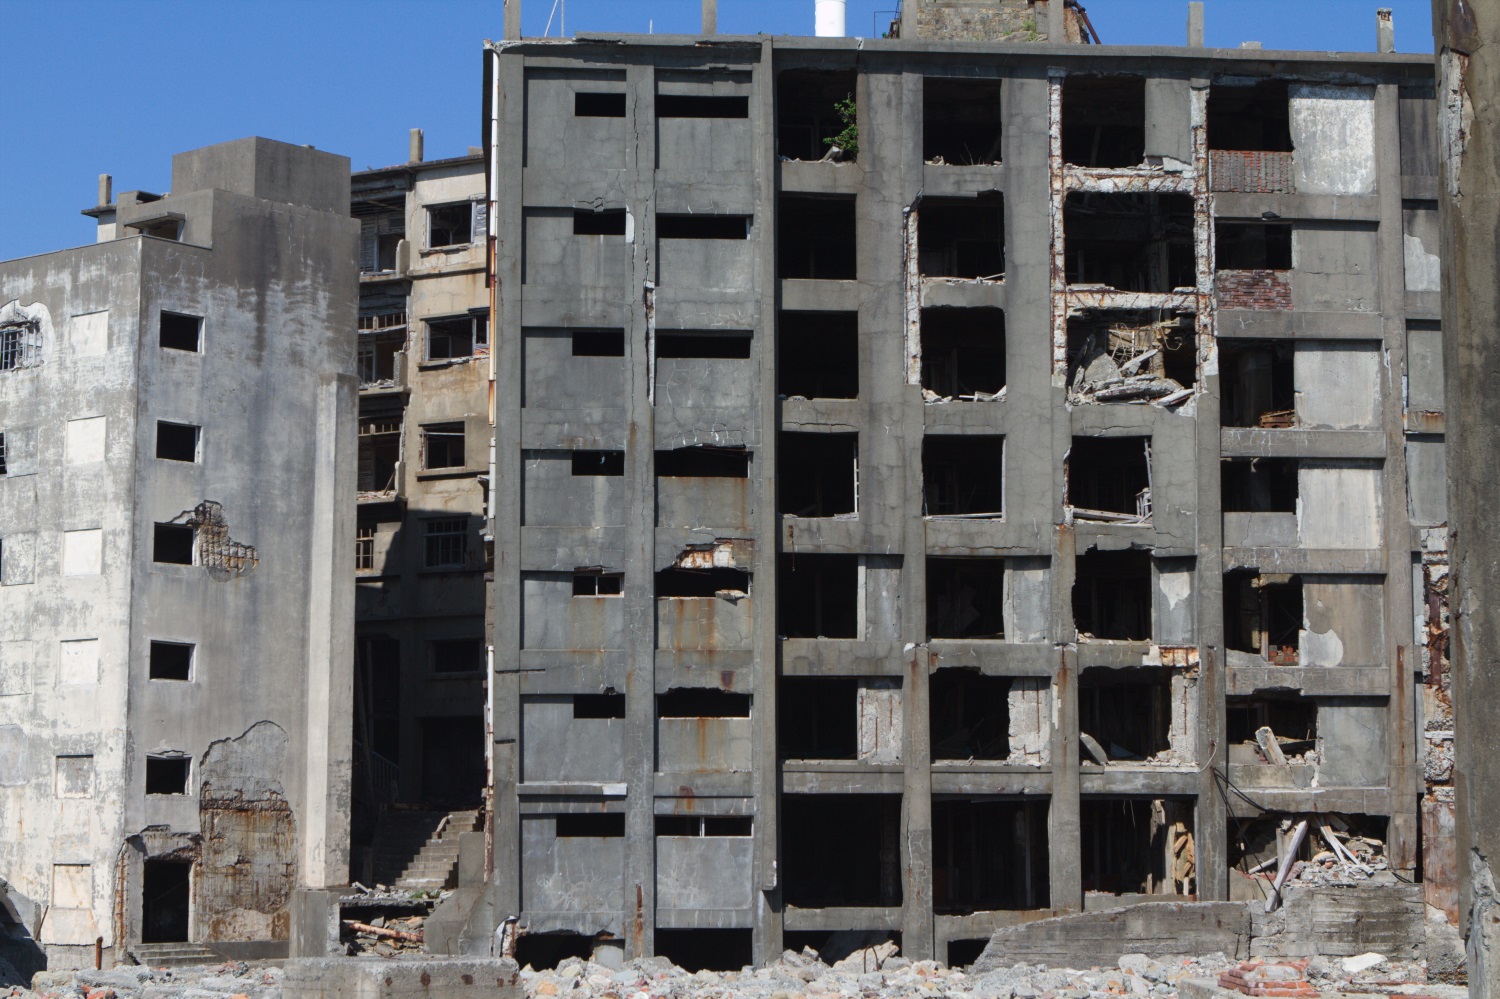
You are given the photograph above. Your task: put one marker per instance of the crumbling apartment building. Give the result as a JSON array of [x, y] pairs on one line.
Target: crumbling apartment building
[[1023, 501], [176, 611]]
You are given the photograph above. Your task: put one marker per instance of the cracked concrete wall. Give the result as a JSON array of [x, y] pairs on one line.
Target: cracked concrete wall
[[558, 746]]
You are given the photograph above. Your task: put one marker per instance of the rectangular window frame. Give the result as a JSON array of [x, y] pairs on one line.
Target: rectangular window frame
[[445, 543], [435, 231], [443, 435]]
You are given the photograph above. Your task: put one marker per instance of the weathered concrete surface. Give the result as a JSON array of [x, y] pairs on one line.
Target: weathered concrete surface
[[1341, 922], [375, 978], [1082, 939]]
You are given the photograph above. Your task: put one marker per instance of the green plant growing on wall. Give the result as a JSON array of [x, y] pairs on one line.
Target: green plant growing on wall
[[848, 137], [1029, 26]]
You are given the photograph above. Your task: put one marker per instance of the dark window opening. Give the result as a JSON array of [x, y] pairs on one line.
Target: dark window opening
[[701, 582], [818, 596], [694, 344], [450, 225], [970, 715], [543, 951], [963, 476], [841, 850], [704, 463], [835, 945], [1137, 846], [457, 337], [167, 774], [457, 655], [379, 453], [161, 229], [1253, 842], [1263, 616], [1255, 117], [377, 354], [1259, 485], [377, 696], [960, 121], [1127, 712], [961, 237], [598, 584], [818, 718], [817, 474], [703, 825], [703, 226], [1252, 246], [701, 106], [1129, 355], [598, 343], [963, 352], [1292, 719], [172, 544], [598, 462], [179, 332], [815, 238], [1257, 385], [1104, 121], [610, 222], [1131, 242], [966, 598], [447, 543], [817, 355], [443, 445], [962, 953], [1112, 596], [705, 950], [702, 702], [598, 705], [807, 112], [989, 854], [176, 441], [166, 898], [170, 661], [609, 825], [587, 105], [1109, 478]]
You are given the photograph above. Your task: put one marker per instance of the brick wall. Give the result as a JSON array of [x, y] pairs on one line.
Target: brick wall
[[1260, 290], [1250, 171]]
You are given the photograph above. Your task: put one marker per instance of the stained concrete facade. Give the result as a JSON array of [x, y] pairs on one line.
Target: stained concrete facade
[[912, 538], [176, 615]]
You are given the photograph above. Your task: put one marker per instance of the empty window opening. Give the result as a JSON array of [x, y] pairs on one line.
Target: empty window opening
[[704, 463], [818, 596], [543, 951], [1126, 712], [815, 238], [1257, 385], [1137, 846], [1132, 356], [963, 953], [598, 584], [382, 227], [2, 454], [960, 121], [610, 825], [166, 899], [966, 598], [835, 945], [169, 227], [598, 705], [1292, 721], [701, 106], [1254, 117], [443, 445], [598, 462], [376, 359], [705, 950], [703, 226], [377, 694], [817, 474], [180, 332], [961, 237], [456, 655], [841, 850], [447, 543], [457, 337], [817, 355], [1103, 121], [970, 715], [963, 353], [1258, 485], [697, 826], [450, 225], [818, 718], [364, 548], [1131, 242], [1112, 596], [702, 702], [705, 344], [587, 105], [172, 544], [167, 774], [610, 222], [598, 343], [1263, 616], [989, 854], [963, 476], [379, 453], [176, 441], [170, 661], [701, 582], [1109, 479], [1252, 246], [1257, 844], [807, 111], [21, 345]]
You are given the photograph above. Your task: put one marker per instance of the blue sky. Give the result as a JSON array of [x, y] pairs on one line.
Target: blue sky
[[117, 86]]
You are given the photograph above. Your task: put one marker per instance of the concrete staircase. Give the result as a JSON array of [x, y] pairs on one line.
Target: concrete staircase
[[436, 862], [399, 837], [173, 955]]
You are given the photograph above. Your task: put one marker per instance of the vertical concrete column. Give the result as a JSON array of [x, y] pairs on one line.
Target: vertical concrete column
[[1385, 31], [710, 17], [106, 188], [1195, 24], [1057, 21], [512, 20], [1467, 37]]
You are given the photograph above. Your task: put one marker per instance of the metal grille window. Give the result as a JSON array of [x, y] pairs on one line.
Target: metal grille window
[[443, 445], [20, 345], [364, 548], [447, 543]]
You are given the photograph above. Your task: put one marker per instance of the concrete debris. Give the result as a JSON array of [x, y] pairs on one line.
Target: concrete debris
[[1284, 981], [1362, 962], [231, 980]]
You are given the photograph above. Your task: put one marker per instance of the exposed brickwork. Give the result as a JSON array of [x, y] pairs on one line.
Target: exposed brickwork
[[1250, 171], [1261, 290]]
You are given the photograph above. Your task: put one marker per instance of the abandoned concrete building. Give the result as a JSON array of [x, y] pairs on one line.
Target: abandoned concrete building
[[176, 614], [940, 485]]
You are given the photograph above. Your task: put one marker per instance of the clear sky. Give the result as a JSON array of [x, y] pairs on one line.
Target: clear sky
[[117, 86]]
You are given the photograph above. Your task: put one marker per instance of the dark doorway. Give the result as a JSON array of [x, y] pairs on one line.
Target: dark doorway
[[453, 770], [166, 895]]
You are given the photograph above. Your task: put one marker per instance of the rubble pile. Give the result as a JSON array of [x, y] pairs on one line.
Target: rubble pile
[[232, 979]]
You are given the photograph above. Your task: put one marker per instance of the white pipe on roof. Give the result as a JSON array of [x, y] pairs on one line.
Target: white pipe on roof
[[829, 17]]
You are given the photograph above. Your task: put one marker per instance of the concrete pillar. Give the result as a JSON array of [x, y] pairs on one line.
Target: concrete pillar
[[1385, 31], [106, 189], [415, 153], [1057, 24], [1467, 40], [710, 17], [512, 20], [1195, 24]]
